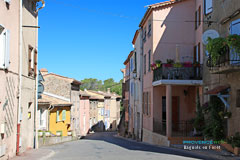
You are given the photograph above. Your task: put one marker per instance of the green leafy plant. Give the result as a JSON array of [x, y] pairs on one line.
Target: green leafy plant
[[225, 115], [234, 140], [199, 121], [233, 42], [214, 128], [170, 61], [217, 47], [158, 63], [177, 65]]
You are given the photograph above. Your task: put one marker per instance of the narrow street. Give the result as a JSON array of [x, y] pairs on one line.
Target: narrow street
[[107, 146]]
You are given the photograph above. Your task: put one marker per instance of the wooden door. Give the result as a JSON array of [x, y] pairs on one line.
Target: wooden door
[[175, 113]]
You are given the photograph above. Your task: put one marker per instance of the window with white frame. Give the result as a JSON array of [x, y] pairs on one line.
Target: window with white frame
[[208, 6], [4, 48]]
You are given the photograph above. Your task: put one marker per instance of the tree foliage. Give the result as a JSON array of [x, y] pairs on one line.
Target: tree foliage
[[95, 84]]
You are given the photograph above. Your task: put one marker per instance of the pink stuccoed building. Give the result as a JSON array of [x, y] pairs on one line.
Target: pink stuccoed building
[[172, 39], [9, 50]]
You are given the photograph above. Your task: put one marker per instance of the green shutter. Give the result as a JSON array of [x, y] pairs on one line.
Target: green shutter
[[64, 115], [57, 116]]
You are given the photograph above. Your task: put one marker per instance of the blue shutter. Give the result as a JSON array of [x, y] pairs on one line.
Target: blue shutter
[[235, 29], [7, 50], [64, 115], [57, 116]]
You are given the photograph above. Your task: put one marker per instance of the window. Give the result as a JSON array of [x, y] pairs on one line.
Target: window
[[145, 65], [4, 49], [149, 60], [146, 103], [198, 18], [149, 28], [135, 61], [131, 64], [238, 98], [132, 88], [144, 34], [234, 29], [32, 63], [196, 56], [208, 5], [63, 114]]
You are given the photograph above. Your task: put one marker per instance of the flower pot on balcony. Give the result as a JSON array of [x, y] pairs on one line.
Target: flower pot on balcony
[[187, 64], [177, 65], [69, 133], [58, 133], [40, 133], [168, 65], [236, 151], [47, 134]]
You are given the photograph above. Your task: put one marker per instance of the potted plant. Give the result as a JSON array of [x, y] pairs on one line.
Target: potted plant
[[196, 64], [216, 48], [177, 65], [225, 115], [187, 64], [234, 141], [169, 63], [40, 133], [153, 66], [233, 42], [47, 134], [158, 63], [69, 133], [59, 133]]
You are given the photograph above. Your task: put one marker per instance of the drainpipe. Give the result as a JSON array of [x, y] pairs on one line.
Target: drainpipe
[[35, 140], [141, 64], [19, 79]]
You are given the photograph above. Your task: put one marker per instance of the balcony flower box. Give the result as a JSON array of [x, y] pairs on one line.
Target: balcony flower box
[[69, 133], [59, 133], [47, 134], [177, 65], [168, 65], [40, 133], [187, 64], [196, 64]]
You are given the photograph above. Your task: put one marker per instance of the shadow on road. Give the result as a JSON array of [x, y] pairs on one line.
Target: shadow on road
[[110, 137]]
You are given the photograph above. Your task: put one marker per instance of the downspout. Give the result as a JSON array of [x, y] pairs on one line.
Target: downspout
[[141, 64], [35, 144], [20, 79]]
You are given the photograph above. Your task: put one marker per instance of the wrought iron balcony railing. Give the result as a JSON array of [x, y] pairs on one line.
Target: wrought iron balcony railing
[[184, 72], [227, 62]]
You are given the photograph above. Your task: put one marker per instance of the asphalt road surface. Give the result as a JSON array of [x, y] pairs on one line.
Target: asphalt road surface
[[107, 146]]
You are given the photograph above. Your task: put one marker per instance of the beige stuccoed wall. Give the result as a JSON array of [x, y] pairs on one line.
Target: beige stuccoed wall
[[30, 37], [226, 8], [9, 80]]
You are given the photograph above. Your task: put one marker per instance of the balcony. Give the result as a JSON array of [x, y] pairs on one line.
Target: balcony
[[179, 129], [184, 74], [226, 63]]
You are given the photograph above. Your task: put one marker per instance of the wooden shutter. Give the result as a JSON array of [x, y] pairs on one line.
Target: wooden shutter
[[199, 16], [199, 55], [29, 60], [35, 63], [7, 50], [149, 103], [196, 22], [194, 53], [143, 101]]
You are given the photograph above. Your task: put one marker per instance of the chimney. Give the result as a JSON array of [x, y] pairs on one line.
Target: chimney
[[44, 71], [108, 91]]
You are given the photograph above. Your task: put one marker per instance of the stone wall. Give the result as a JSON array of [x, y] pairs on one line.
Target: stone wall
[[45, 141], [154, 138]]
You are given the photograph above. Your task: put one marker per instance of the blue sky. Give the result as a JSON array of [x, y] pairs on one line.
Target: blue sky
[[88, 39]]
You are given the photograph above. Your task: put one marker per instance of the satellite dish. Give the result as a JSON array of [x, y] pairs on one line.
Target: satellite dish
[[209, 34]]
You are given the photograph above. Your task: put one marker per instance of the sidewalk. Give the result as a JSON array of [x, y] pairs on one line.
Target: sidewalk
[[39, 154], [220, 155]]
